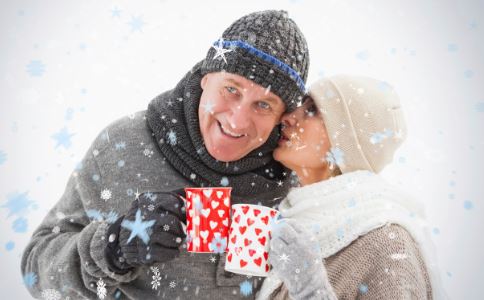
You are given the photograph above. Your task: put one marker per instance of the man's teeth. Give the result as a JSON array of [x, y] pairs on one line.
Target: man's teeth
[[226, 131]]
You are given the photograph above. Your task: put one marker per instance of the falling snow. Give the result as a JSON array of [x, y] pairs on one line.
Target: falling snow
[[172, 139], [50, 294], [63, 138], [101, 289], [36, 68], [138, 227], [106, 194], [156, 278], [246, 288], [18, 204], [30, 279]]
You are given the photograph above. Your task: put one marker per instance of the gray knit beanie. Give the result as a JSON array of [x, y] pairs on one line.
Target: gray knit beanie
[[364, 121], [268, 48]]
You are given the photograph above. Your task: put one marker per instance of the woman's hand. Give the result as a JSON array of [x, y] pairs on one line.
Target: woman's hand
[[295, 257]]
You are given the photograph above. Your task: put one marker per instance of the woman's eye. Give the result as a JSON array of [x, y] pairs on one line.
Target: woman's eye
[[311, 110]]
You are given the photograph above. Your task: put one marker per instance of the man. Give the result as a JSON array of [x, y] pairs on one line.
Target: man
[[117, 230]]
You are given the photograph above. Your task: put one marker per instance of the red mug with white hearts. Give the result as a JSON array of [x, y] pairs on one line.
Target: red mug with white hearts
[[208, 219], [249, 235]]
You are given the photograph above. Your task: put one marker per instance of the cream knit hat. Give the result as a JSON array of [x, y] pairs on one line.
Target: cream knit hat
[[363, 118]]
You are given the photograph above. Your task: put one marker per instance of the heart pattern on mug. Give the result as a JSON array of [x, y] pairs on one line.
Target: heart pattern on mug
[[207, 211], [207, 193], [204, 235], [248, 243], [237, 219], [245, 209], [213, 224], [243, 263], [242, 229]]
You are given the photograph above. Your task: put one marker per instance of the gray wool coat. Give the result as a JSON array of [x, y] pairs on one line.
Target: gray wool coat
[[66, 250]]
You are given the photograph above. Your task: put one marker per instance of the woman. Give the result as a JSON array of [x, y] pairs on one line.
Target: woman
[[371, 235]]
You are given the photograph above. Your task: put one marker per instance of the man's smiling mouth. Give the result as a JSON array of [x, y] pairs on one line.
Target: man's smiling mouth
[[229, 133]]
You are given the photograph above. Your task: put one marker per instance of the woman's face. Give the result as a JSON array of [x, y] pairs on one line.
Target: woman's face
[[304, 141]]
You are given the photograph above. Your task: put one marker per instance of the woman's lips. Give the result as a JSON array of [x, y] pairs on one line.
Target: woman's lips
[[283, 138]]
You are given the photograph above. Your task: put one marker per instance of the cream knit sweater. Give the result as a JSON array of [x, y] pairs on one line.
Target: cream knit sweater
[[386, 263]]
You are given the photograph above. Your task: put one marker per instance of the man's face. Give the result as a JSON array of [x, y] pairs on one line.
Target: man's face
[[236, 115]]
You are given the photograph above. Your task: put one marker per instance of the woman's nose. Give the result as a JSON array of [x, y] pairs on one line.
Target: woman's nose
[[288, 120]]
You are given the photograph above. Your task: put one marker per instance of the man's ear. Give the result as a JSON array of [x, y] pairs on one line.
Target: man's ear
[[203, 81]]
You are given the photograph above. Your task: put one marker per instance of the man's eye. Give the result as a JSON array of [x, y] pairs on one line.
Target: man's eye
[[264, 105], [231, 90]]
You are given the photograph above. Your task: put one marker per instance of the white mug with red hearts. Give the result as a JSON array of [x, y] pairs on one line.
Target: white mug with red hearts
[[249, 235]]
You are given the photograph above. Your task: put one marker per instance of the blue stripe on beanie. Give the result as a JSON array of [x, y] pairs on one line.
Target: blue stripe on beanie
[[268, 58]]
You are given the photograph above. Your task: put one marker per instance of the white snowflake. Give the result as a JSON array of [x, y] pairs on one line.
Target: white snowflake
[[101, 289], [50, 294], [284, 257], [212, 259], [172, 284], [148, 152], [137, 194], [208, 107], [172, 139], [56, 229], [106, 194], [155, 283], [398, 256], [166, 227], [220, 50]]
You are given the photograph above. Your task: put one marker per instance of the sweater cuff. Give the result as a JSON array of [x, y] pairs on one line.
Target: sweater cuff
[[92, 244]]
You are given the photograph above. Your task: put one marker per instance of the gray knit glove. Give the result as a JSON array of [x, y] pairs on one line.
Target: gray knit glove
[[165, 212], [295, 257]]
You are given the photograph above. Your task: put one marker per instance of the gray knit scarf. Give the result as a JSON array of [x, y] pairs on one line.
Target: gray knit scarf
[[173, 117]]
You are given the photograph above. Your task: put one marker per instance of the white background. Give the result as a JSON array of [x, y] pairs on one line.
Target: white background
[[101, 60]]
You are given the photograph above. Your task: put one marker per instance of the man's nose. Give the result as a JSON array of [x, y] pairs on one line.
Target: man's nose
[[240, 116]]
